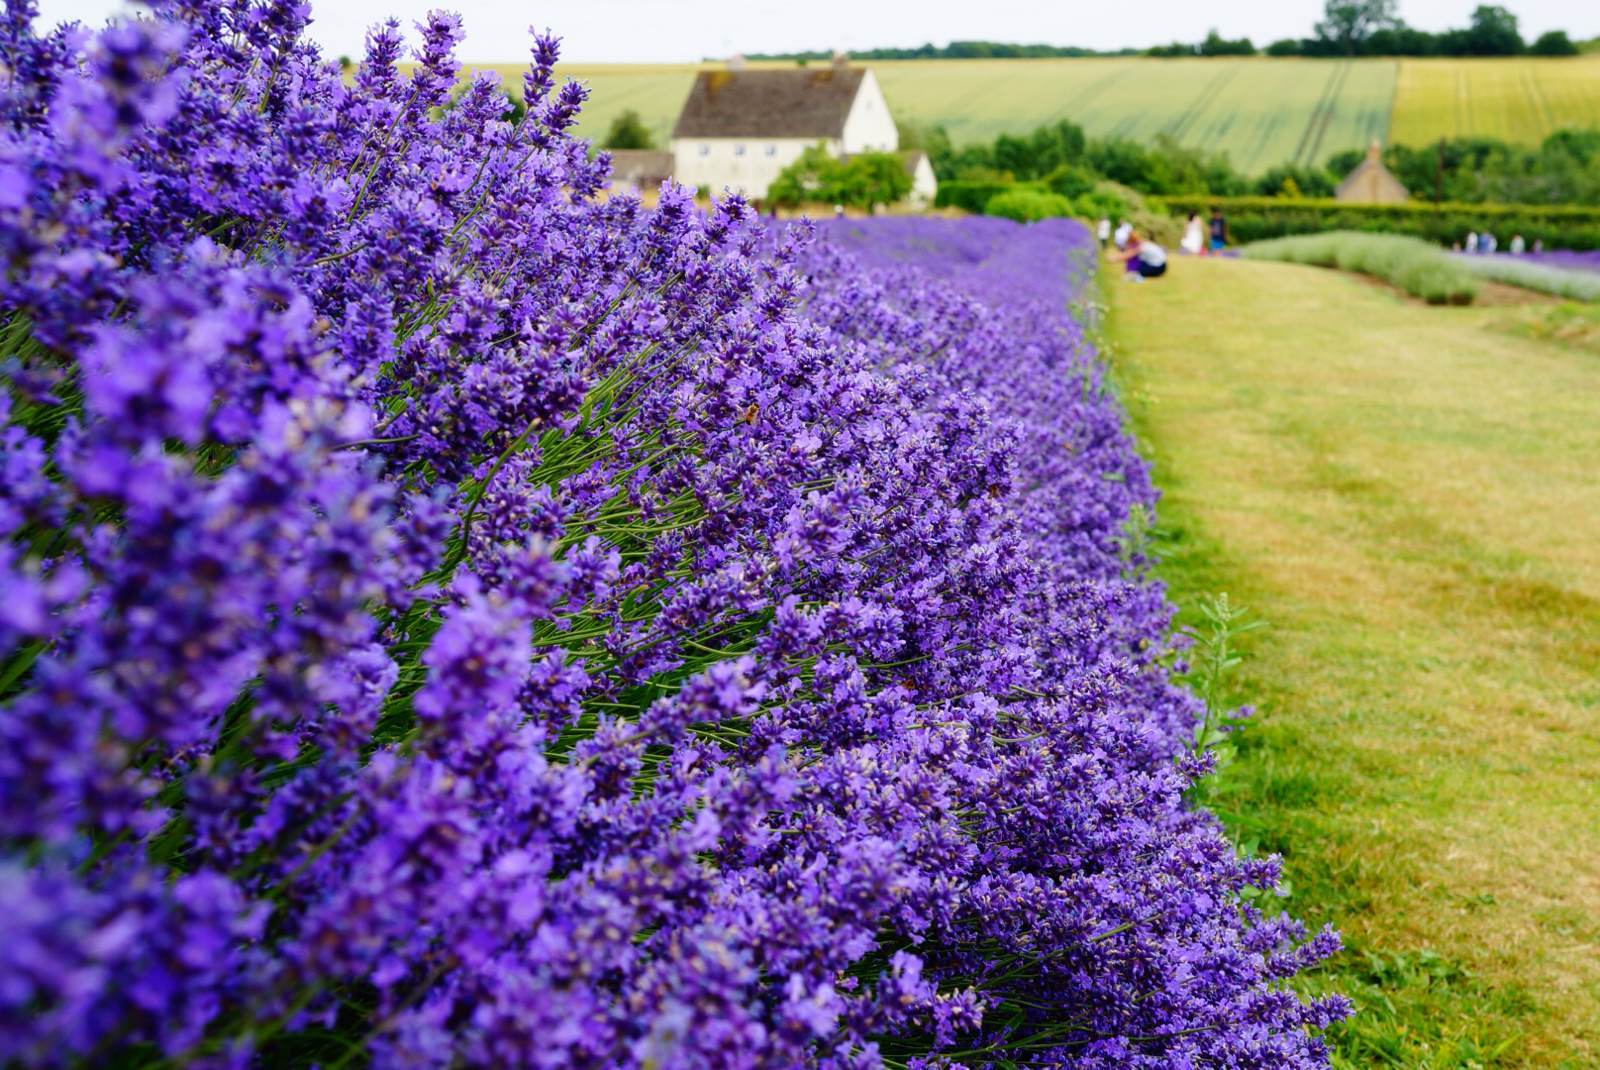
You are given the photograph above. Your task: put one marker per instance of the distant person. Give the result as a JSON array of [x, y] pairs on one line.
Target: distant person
[[1455, 247], [1219, 231], [1472, 241], [1144, 259], [1194, 236], [1103, 232], [1487, 243], [838, 211], [1123, 233], [1538, 246], [1518, 246]]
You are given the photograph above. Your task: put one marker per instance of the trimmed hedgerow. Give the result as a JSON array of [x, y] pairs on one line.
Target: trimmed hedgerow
[[1259, 218]]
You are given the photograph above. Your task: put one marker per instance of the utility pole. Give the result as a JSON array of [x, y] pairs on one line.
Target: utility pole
[[1438, 175]]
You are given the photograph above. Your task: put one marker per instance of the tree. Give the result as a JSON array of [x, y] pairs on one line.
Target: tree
[[1554, 43], [1346, 24], [629, 132], [1493, 32], [1217, 45], [1037, 154], [1400, 40], [1288, 46], [1288, 180]]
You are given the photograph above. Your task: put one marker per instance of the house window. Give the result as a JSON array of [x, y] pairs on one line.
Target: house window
[[738, 150], [705, 150], [772, 150]]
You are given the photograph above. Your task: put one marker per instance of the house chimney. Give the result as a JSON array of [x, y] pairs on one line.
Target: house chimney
[[736, 61], [841, 60]]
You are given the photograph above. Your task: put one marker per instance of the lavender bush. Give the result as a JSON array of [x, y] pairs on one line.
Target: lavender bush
[[1542, 276], [453, 618]]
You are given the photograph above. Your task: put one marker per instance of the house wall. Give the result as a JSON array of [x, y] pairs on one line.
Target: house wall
[[924, 184], [870, 127], [744, 164]]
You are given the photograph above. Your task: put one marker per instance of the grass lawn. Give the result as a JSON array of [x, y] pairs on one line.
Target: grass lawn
[[1410, 497]]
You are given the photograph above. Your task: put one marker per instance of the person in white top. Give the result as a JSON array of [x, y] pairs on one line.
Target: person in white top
[[1518, 246], [1194, 235], [1124, 232], [1103, 231], [1144, 258]]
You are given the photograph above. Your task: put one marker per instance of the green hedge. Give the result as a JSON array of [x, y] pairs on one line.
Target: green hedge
[[1258, 218], [1028, 205]]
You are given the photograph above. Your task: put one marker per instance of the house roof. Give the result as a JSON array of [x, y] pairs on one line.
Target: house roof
[[794, 103], [640, 166], [1371, 181], [911, 158]]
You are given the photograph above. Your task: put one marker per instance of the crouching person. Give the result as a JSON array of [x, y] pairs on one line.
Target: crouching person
[[1143, 258]]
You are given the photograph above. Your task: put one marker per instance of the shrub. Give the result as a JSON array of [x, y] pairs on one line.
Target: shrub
[[974, 195], [1071, 180], [862, 181], [1099, 204], [1416, 267], [1147, 218], [1028, 205]]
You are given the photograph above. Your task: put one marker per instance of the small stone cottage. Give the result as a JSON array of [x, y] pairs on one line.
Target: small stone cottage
[[1371, 182]]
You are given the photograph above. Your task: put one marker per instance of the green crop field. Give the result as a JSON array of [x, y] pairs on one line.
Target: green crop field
[[1519, 100], [1261, 112]]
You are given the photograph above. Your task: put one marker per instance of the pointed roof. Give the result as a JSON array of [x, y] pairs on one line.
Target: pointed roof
[[793, 103], [912, 158], [1371, 182]]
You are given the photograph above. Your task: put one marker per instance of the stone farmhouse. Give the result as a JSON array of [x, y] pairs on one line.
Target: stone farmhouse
[[740, 128]]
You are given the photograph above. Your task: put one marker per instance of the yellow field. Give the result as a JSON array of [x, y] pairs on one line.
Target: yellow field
[[1518, 100]]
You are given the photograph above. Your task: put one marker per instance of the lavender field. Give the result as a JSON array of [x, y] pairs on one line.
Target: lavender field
[[454, 618]]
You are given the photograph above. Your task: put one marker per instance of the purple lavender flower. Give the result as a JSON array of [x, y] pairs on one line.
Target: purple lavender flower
[[455, 618]]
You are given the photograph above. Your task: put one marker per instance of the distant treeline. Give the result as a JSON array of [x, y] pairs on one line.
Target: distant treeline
[[1374, 28], [954, 50], [1348, 28]]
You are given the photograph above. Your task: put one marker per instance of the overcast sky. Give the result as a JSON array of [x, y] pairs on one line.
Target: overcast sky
[[598, 31]]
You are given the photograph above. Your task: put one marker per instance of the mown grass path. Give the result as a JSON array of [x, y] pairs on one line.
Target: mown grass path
[[1410, 497]]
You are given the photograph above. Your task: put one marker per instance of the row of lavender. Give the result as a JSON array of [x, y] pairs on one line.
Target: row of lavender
[[452, 618], [1559, 258]]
